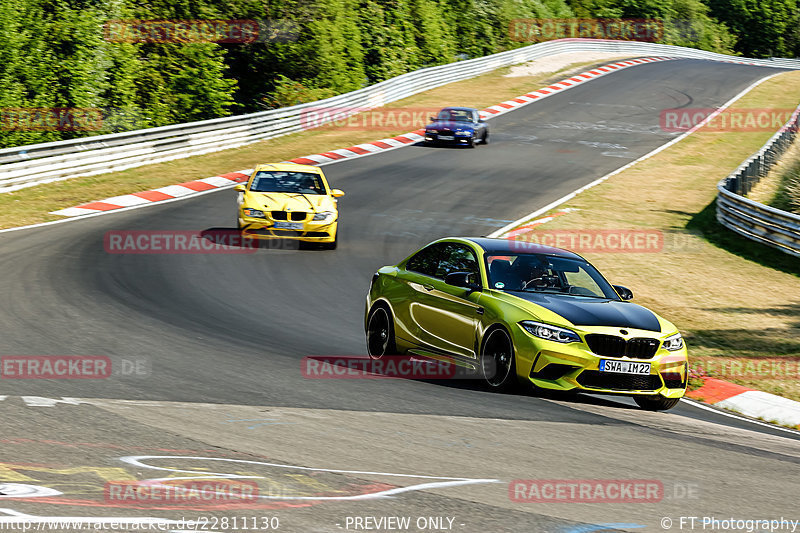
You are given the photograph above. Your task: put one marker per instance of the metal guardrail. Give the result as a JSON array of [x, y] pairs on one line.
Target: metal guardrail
[[751, 219], [41, 163]]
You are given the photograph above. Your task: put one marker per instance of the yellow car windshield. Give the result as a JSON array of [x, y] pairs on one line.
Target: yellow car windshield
[[546, 273], [287, 182]]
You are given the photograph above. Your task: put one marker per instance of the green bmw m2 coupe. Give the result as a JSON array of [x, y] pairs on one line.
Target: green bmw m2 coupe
[[520, 312]]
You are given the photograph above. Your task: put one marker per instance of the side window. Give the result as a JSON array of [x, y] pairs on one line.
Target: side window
[[458, 258], [426, 261]]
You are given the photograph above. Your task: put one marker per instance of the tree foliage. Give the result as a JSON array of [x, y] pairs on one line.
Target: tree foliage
[[55, 54]]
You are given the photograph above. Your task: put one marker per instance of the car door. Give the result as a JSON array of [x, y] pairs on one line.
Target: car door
[[446, 317]]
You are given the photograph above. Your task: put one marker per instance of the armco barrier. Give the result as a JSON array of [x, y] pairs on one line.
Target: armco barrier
[[756, 221], [41, 163]]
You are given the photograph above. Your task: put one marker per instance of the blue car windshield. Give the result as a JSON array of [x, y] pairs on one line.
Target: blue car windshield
[[291, 182], [532, 272], [455, 115]]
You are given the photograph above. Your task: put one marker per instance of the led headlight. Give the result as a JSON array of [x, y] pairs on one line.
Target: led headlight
[[550, 333], [325, 215], [254, 213], [673, 342]]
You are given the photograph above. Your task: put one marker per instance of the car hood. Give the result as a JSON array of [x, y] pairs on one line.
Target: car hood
[[451, 125], [276, 201], [586, 311]]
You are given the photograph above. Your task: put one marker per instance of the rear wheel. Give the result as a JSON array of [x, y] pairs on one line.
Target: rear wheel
[[380, 333], [656, 403], [497, 361]]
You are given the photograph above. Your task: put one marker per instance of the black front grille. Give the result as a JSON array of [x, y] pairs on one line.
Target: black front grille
[[594, 379], [614, 346], [297, 216], [279, 215]]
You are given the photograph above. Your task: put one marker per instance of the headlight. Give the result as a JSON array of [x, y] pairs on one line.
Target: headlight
[[431, 131], [323, 216], [463, 133], [673, 342], [255, 213], [550, 333]]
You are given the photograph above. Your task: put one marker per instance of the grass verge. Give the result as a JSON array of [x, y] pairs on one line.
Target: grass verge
[[781, 187], [34, 204], [731, 298]]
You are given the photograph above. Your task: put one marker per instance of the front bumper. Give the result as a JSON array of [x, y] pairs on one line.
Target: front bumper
[[457, 139], [574, 367], [308, 231]]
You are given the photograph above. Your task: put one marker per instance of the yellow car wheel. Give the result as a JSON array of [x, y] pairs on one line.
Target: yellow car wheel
[[380, 333], [497, 360]]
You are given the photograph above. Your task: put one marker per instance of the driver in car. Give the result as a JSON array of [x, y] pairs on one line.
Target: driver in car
[[539, 278]]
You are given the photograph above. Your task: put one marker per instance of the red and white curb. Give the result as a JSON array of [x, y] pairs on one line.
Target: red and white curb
[[749, 402], [192, 188]]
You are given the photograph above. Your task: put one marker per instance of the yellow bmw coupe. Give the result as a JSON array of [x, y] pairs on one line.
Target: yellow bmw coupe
[[289, 201], [516, 312]]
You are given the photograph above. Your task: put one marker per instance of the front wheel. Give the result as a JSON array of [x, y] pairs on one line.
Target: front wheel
[[485, 139], [497, 361], [331, 245], [656, 403], [380, 333]]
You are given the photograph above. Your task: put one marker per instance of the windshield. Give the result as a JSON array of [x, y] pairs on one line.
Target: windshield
[[456, 115], [547, 274], [296, 182]]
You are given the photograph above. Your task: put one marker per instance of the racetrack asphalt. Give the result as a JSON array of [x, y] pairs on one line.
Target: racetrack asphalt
[[223, 335]]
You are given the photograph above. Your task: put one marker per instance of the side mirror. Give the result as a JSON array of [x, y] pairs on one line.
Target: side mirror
[[481, 120], [337, 193], [432, 119], [240, 188], [461, 279], [624, 292]]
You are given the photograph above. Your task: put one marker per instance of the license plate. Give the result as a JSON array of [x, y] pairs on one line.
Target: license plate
[[446, 137], [288, 225], [624, 367]]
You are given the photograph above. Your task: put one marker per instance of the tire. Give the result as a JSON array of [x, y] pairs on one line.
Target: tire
[[331, 245], [380, 333], [656, 403], [485, 139], [498, 365]]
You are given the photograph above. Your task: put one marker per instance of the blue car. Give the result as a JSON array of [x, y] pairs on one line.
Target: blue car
[[457, 125]]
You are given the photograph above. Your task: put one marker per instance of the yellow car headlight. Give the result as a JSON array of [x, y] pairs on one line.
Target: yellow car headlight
[[673, 343], [254, 213], [550, 333], [324, 215]]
